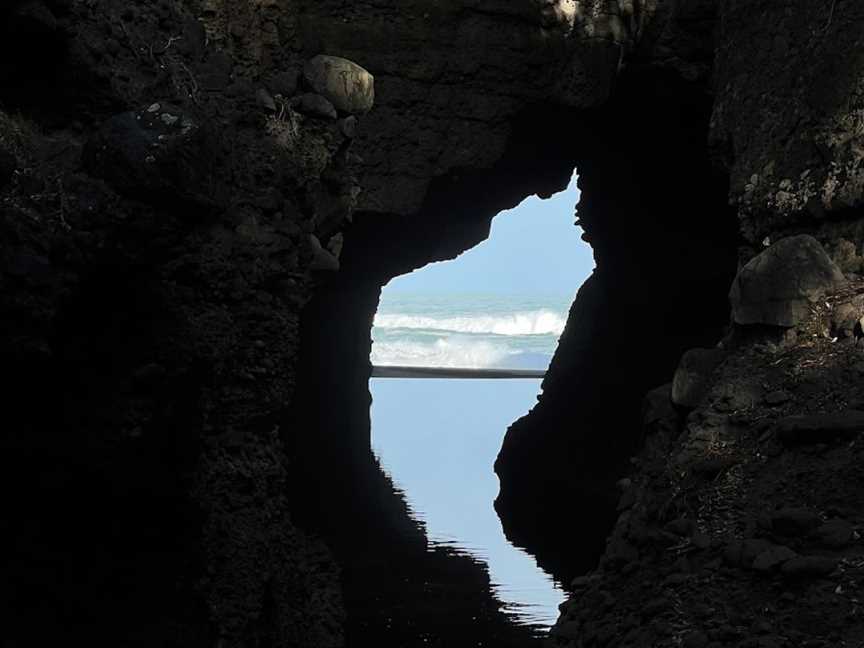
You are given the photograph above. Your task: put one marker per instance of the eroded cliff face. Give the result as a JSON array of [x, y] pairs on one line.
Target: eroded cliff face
[[194, 241], [659, 288], [734, 525], [172, 195], [157, 242]]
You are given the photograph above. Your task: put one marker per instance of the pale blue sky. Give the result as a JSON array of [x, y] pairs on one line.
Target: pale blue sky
[[439, 438], [533, 248]]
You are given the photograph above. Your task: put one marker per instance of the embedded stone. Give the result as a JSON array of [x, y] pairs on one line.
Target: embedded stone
[[695, 639], [845, 316], [314, 105], [808, 567], [778, 286], [283, 83], [265, 100], [834, 534], [156, 154], [657, 405], [322, 259], [348, 86], [692, 378], [751, 548], [772, 558], [348, 126], [711, 467], [777, 397], [795, 521], [820, 428]]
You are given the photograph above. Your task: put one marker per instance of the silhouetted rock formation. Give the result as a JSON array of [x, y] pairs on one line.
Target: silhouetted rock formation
[[196, 220]]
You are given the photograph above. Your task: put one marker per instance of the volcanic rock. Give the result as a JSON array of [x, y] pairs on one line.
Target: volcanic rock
[[348, 86], [795, 521], [834, 534], [808, 566], [778, 286], [157, 154], [692, 377], [773, 558], [820, 428], [314, 105], [777, 397], [657, 406], [322, 259]]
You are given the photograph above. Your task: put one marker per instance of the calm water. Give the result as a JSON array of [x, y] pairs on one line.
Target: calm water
[[438, 439]]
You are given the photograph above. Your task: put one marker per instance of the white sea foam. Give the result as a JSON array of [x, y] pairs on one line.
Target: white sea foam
[[539, 322], [469, 354]]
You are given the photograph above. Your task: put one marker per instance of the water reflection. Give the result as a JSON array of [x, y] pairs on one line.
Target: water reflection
[[438, 439]]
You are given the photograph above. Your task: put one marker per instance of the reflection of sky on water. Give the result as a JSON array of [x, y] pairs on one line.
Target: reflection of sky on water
[[438, 440]]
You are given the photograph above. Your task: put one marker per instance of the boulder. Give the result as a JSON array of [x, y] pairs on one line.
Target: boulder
[[834, 534], [742, 553], [712, 467], [845, 316], [692, 378], [657, 406], [820, 428], [695, 639], [808, 567], [314, 105], [283, 83], [772, 558], [348, 126], [322, 260], [348, 86], [777, 397], [265, 100], [158, 154], [778, 286], [751, 548], [845, 254], [795, 521]]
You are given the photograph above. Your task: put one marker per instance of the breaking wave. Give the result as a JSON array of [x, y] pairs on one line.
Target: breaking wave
[[462, 353], [540, 322], [440, 353]]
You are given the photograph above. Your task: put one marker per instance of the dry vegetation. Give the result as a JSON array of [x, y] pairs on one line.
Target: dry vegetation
[[18, 135]]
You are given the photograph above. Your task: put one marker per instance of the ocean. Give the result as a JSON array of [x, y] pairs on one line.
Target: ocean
[[438, 438], [471, 331]]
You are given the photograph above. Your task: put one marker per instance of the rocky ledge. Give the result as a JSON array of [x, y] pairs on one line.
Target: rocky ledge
[[740, 523]]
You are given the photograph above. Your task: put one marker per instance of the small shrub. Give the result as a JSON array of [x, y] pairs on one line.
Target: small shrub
[[17, 135]]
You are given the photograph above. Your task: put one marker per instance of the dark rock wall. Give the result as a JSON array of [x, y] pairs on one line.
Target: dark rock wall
[[168, 207], [788, 115], [450, 78], [785, 126], [156, 251], [654, 210]]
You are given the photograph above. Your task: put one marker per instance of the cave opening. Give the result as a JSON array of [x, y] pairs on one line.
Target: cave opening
[[479, 331], [654, 209]]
